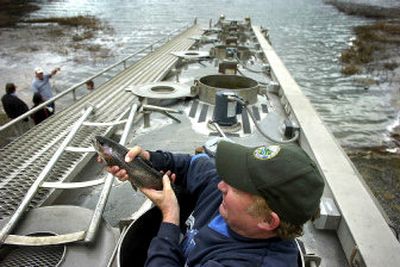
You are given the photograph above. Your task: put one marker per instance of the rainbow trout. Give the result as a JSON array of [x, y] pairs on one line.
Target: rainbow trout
[[140, 171]]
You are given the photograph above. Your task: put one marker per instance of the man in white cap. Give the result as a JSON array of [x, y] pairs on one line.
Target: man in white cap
[[41, 85]]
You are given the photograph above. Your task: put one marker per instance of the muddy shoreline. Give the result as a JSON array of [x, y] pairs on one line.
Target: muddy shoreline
[[376, 49], [12, 11]]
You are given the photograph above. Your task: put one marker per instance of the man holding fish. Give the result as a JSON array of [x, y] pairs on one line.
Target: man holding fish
[[251, 203]]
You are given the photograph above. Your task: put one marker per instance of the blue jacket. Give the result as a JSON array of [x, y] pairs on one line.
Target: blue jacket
[[208, 240]]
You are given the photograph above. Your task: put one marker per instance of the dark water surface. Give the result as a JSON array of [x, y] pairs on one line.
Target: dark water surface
[[307, 34]]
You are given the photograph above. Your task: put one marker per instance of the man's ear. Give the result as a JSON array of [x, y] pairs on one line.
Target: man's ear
[[271, 223]]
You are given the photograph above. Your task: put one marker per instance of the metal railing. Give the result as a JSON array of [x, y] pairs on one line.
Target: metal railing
[[73, 88], [152, 61]]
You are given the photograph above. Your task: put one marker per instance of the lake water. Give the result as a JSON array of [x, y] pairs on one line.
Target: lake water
[[308, 35]]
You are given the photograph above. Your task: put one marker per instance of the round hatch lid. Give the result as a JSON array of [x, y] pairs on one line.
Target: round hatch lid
[[191, 54], [160, 90], [204, 39]]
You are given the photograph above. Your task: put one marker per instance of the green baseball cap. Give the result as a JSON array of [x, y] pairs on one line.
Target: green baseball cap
[[282, 174]]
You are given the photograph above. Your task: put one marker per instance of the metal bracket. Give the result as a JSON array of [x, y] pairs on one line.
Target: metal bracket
[[171, 116], [218, 129], [147, 109], [330, 216], [312, 260], [354, 257], [160, 109]]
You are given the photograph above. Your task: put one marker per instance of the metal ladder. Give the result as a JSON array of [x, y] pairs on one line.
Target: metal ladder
[[88, 235], [49, 157]]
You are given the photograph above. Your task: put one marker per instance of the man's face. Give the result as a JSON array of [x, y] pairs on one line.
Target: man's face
[[235, 208], [39, 75]]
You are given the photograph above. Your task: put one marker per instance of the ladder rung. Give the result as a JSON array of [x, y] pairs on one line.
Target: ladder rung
[[44, 240], [73, 185], [79, 149], [110, 123]]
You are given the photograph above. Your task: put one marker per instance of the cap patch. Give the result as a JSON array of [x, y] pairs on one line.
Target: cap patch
[[265, 153]]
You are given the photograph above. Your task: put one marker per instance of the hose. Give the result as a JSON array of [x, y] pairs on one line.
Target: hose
[[244, 66], [241, 73], [244, 104]]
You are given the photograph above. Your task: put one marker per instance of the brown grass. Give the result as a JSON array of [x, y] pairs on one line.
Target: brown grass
[[56, 32], [3, 118], [387, 26], [83, 36], [371, 39], [12, 10], [86, 26], [383, 32], [391, 65], [350, 69], [88, 22], [94, 48]]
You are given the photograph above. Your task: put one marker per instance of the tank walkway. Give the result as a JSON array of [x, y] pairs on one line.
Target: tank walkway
[[24, 159]]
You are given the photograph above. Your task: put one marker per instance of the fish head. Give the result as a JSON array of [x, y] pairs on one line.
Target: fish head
[[103, 149]]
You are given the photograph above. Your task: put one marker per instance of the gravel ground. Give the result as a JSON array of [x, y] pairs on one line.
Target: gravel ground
[[381, 171]]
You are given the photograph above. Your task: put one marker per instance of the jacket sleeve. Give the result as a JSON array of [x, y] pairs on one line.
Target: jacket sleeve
[[35, 87], [164, 249], [23, 106], [191, 170], [176, 163]]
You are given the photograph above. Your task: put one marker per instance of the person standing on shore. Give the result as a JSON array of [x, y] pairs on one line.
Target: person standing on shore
[[90, 85], [41, 114], [13, 106], [41, 84]]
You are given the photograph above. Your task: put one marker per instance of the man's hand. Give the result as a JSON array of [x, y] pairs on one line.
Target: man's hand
[[121, 174], [53, 72], [165, 200]]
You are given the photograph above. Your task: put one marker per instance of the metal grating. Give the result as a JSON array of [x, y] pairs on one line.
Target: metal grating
[[23, 160], [49, 256]]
